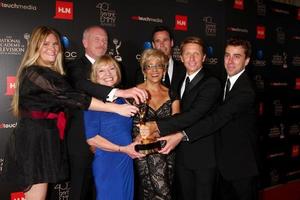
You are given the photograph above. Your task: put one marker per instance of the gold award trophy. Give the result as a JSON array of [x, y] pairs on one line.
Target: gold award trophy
[[148, 145]]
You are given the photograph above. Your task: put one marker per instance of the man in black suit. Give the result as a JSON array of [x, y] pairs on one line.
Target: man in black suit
[[78, 72], [237, 140], [200, 92], [163, 39], [234, 124]]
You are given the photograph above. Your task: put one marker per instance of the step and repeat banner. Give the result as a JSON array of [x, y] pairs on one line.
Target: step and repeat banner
[[272, 28]]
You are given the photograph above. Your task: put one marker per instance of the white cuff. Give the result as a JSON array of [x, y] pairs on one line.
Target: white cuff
[[185, 137], [111, 96]]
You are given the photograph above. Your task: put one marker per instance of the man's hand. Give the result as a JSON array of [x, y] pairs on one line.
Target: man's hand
[[137, 94], [172, 141]]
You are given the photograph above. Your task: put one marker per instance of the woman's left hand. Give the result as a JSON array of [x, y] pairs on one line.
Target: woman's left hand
[[130, 150]]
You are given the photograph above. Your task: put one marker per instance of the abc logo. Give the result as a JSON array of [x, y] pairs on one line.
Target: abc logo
[[70, 54]]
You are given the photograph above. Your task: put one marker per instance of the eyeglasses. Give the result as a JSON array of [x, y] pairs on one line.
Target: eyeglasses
[[152, 67]]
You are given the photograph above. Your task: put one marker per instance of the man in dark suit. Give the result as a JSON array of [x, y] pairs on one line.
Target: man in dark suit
[[237, 140], [78, 72], [195, 162], [234, 124], [162, 39]]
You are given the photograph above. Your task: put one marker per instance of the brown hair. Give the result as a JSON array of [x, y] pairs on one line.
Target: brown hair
[[193, 40], [245, 44]]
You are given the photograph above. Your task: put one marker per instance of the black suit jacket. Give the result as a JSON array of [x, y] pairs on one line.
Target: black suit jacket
[[78, 73], [177, 77], [200, 99], [236, 136]]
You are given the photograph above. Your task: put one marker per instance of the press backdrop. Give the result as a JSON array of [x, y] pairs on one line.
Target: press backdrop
[[273, 29]]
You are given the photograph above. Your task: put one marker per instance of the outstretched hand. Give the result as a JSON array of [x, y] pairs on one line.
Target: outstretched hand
[[171, 142], [139, 95], [126, 110]]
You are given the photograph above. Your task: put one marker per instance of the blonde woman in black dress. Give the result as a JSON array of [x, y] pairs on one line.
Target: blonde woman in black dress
[[155, 172]]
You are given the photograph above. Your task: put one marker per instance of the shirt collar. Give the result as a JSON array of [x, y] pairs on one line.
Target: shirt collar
[[234, 78], [192, 76], [92, 60]]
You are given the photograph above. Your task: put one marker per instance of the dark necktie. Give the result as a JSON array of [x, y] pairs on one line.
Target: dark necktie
[[187, 82], [227, 88], [167, 80]]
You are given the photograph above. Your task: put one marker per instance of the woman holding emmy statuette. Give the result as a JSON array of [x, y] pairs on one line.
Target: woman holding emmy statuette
[[155, 170], [110, 133], [36, 154]]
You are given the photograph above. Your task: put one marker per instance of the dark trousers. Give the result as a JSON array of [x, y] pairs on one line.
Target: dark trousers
[[242, 189], [81, 178], [195, 184]]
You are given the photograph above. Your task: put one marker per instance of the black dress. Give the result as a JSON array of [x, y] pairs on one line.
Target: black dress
[[155, 172], [35, 152]]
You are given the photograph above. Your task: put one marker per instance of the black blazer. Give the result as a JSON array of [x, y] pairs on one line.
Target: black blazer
[[177, 77], [78, 73], [200, 99], [236, 136]]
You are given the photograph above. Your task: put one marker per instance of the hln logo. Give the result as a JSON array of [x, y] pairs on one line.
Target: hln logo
[[17, 196], [64, 10], [10, 85], [181, 23]]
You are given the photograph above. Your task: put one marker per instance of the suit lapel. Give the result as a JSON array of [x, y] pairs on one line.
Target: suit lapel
[[85, 60], [238, 83], [240, 80], [178, 72], [194, 82]]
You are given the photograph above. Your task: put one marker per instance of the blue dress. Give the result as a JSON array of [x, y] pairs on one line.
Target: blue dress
[[113, 171]]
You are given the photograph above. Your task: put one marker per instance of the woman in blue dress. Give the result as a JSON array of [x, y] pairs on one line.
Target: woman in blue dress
[[110, 133], [35, 153]]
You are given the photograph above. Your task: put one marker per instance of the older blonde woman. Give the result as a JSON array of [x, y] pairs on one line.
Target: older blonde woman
[[110, 133], [155, 171]]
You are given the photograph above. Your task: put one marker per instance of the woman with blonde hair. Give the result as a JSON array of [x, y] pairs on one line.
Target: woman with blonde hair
[[35, 153], [110, 133], [155, 171]]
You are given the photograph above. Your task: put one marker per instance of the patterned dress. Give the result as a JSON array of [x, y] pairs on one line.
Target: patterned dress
[[155, 172]]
